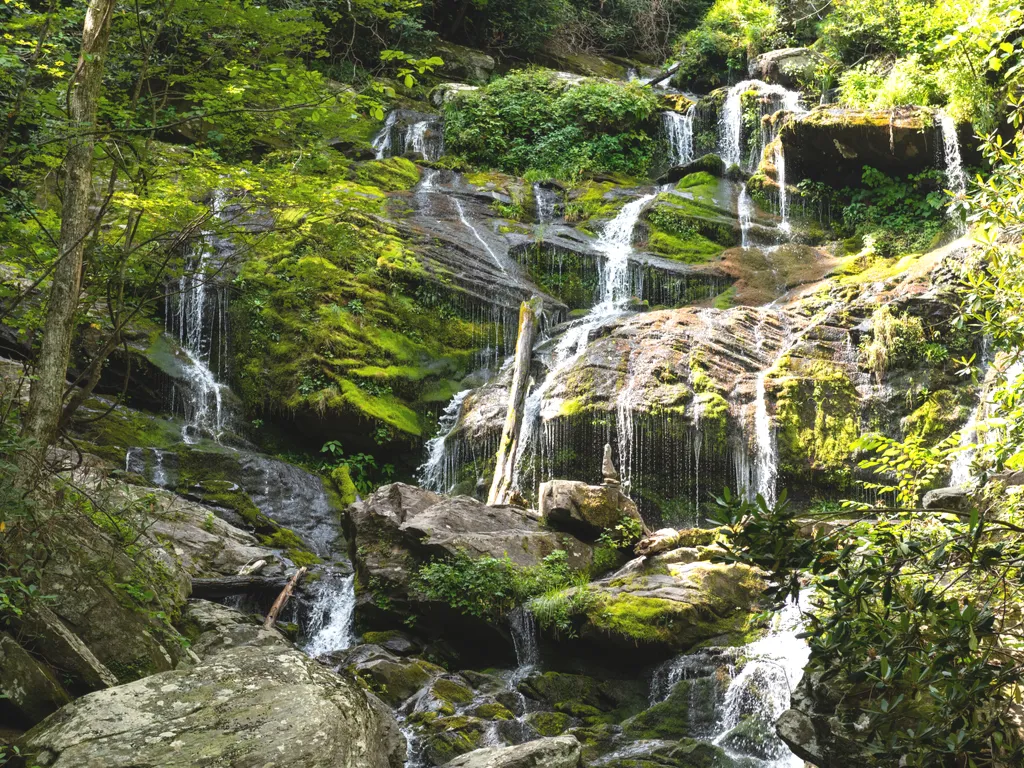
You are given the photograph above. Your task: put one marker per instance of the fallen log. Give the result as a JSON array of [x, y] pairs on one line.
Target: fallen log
[[225, 586], [282, 599]]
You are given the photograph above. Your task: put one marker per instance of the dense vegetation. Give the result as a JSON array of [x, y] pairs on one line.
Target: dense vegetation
[[170, 131]]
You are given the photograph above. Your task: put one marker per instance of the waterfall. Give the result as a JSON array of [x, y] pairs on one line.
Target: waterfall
[[780, 177], [435, 474], [956, 179], [745, 212], [761, 691], [421, 139], [331, 615], [616, 245], [382, 141], [731, 118], [679, 130], [545, 201], [196, 316]]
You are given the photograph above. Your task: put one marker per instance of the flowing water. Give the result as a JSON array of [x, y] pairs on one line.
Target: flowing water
[[745, 212], [679, 130], [773, 98], [382, 142], [476, 234], [546, 201], [329, 627], [438, 472], [426, 138], [956, 179], [197, 317], [616, 246]]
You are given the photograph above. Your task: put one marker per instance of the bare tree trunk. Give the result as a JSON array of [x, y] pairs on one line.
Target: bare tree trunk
[[47, 392], [282, 599], [501, 485]]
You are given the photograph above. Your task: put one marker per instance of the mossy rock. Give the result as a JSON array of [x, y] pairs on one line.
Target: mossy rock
[[492, 710], [549, 723], [395, 681], [452, 690], [451, 737], [685, 753]]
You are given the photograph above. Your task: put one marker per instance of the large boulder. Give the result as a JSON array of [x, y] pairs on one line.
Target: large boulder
[[670, 608], [813, 727], [556, 752], [788, 67], [247, 707], [26, 686], [462, 63], [584, 510]]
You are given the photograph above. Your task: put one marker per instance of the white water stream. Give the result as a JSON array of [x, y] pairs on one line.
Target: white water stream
[[956, 179], [331, 615], [679, 130], [434, 474]]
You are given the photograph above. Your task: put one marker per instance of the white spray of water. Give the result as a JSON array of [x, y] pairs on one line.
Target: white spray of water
[[731, 118], [422, 139], [433, 473], [780, 177], [956, 179], [679, 130], [745, 211], [382, 141], [331, 616], [545, 201], [767, 460]]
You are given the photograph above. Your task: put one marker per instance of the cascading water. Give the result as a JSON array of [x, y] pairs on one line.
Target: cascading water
[[523, 628], [425, 138], [546, 202], [331, 615], [196, 316], [476, 234], [616, 245], [780, 177], [383, 140], [731, 117], [767, 458], [679, 130], [435, 474], [745, 212], [956, 179]]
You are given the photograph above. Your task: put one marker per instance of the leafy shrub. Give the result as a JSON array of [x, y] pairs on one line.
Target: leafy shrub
[[489, 587], [531, 120], [896, 339], [876, 86], [907, 212]]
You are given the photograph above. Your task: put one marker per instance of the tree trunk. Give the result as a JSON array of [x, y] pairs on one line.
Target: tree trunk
[[47, 392], [501, 486], [282, 599]]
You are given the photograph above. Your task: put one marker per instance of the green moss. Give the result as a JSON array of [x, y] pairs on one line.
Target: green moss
[[341, 478], [818, 418], [451, 691], [936, 418], [726, 299], [390, 175], [493, 711]]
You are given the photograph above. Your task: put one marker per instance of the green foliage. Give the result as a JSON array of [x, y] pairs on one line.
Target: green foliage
[[907, 614], [623, 535], [489, 587], [715, 53], [909, 468], [556, 610], [531, 120], [903, 214]]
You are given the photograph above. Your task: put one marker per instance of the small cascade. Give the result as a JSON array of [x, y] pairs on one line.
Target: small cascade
[[761, 692], [383, 142], [767, 456], [426, 139], [197, 317], [438, 473], [956, 179], [523, 628], [331, 615], [679, 130], [546, 202], [730, 128], [469, 225], [745, 212]]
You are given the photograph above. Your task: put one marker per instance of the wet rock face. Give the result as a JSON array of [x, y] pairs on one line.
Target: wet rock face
[[26, 686], [811, 728], [584, 510], [833, 145], [248, 707], [788, 67], [556, 752]]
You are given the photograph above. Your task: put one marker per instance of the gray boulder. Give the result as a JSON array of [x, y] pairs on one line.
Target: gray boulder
[[26, 684], [466, 64], [556, 752], [957, 499], [246, 707], [585, 510], [788, 67]]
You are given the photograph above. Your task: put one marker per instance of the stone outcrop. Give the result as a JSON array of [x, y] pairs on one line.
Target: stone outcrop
[[584, 510], [833, 145], [26, 686], [245, 706], [462, 63], [556, 752], [811, 728], [788, 67]]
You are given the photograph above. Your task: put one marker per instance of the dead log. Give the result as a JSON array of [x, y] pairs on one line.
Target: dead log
[[501, 485], [663, 76], [278, 606], [225, 586]]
